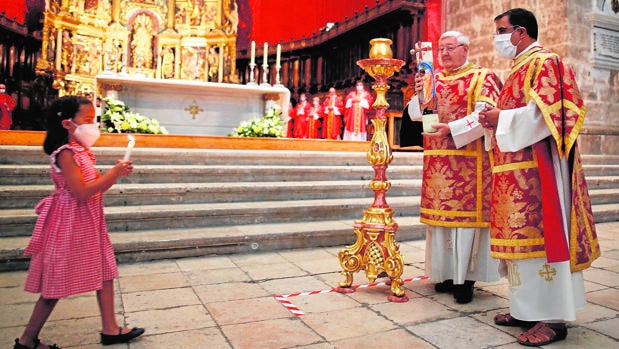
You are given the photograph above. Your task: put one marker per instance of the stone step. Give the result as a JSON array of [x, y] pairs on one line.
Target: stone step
[[175, 243], [189, 242], [39, 174], [19, 222], [27, 196]]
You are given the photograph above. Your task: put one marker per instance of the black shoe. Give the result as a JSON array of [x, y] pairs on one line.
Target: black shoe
[[446, 286], [107, 339], [18, 345], [464, 293]]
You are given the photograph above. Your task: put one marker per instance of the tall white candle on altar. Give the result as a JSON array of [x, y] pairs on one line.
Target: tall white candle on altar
[[130, 146], [220, 69], [279, 56], [266, 54], [253, 52]]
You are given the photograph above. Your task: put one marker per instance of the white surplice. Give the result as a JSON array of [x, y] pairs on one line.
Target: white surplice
[[540, 291]]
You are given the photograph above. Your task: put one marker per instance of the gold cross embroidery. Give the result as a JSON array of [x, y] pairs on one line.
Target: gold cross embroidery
[[193, 109], [547, 272], [513, 276]]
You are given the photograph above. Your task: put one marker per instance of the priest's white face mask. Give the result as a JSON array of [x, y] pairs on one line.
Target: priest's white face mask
[[503, 44]]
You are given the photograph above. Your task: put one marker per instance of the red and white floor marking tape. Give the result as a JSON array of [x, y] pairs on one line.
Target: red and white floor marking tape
[[283, 299]]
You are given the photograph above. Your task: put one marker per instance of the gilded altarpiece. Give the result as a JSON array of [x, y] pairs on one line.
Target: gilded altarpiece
[[165, 39]]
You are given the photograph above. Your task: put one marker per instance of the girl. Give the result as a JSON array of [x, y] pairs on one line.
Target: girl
[[70, 247]]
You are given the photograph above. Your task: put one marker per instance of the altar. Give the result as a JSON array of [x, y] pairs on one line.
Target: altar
[[191, 107]]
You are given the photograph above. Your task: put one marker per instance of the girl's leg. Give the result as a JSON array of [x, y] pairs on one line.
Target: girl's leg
[[41, 312], [105, 297]]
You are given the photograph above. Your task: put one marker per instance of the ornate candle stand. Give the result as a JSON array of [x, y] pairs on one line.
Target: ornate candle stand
[[278, 82], [375, 250]]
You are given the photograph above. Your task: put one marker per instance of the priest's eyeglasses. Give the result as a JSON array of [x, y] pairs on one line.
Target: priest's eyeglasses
[[449, 49], [502, 30]]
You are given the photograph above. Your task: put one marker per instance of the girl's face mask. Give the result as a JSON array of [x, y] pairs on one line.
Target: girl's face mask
[[86, 134]]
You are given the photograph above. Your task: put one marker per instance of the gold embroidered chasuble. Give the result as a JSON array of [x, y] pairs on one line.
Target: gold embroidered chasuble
[[517, 230], [456, 186]]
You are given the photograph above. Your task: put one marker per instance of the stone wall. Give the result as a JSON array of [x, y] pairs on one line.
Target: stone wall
[[565, 27]]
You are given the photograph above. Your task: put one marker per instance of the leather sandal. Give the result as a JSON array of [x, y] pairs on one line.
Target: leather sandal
[[508, 320], [18, 345], [107, 339], [542, 334]]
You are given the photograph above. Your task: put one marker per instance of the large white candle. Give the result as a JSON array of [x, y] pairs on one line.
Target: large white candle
[[266, 54], [130, 146], [279, 56], [253, 52]]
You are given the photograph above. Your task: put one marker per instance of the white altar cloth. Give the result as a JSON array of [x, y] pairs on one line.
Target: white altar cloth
[[192, 107]]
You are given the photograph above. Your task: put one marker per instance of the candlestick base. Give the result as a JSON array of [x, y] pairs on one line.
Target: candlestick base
[[278, 85], [265, 84], [251, 83]]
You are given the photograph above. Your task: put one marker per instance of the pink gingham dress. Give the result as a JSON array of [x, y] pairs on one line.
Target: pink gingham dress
[[70, 247]]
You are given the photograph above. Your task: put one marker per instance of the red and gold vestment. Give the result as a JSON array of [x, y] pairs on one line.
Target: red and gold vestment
[[522, 203], [457, 182]]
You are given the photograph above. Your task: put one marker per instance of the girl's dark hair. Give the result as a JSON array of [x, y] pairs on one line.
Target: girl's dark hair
[[61, 109]]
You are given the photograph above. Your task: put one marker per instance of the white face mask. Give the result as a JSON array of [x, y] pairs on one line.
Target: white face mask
[[504, 46], [2, 90], [86, 134], [359, 88]]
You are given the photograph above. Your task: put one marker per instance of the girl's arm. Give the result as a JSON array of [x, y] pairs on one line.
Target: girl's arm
[[75, 181]]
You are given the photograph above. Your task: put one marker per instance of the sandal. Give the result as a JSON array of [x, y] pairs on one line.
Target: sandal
[[18, 345], [508, 320], [542, 334]]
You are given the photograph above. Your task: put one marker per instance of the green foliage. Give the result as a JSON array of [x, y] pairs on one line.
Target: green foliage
[[118, 118], [271, 125]]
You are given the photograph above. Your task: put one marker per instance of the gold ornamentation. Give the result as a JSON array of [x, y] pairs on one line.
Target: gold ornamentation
[[547, 272], [513, 275], [375, 250], [194, 109]]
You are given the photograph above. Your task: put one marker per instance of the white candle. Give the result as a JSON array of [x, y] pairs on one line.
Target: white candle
[[253, 52], [130, 146], [266, 54], [279, 56]]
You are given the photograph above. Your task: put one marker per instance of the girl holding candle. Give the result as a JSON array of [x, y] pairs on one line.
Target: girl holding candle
[[70, 247]]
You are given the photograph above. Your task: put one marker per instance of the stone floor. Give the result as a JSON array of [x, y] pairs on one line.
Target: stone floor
[[228, 302]]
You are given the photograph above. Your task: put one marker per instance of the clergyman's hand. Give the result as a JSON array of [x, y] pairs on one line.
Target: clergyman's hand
[[442, 130], [489, 117]]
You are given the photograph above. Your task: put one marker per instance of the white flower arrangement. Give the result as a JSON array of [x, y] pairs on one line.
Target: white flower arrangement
[[271, 125], [118, 118]]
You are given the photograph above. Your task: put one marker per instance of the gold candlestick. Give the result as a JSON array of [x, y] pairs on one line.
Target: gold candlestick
[[375, 250]]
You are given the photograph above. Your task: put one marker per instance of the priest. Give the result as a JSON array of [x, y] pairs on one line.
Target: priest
[[542, 224]]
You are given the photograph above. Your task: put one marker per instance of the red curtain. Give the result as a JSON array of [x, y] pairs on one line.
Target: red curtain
[[14, 8], [275, 20]]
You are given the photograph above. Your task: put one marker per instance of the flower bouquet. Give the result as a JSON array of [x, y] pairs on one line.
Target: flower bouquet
[[271, 125], [118, 118]]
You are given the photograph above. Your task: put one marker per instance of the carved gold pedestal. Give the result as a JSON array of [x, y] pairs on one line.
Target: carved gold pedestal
[[375, 250]]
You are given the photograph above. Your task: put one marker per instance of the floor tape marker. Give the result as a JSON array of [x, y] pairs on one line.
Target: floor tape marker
[[283, 299]]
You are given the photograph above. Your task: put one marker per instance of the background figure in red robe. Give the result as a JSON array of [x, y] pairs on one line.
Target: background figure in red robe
[[332, 108], [300, 115], [6, 107], [313, 123], [358, 103]]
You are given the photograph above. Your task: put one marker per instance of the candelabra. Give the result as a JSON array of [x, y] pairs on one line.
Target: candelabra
[[265, 75], [278, 82], [375, 250], [252, 66]]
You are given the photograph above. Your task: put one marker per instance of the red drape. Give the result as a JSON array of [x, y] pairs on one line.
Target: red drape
[[14, 8]]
